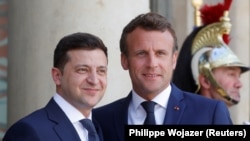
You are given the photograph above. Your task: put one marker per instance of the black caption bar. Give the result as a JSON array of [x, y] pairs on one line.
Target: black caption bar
[[187, 132]]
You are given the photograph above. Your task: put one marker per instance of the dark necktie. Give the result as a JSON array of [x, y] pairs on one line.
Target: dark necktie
[[149, 108], [92, 134]]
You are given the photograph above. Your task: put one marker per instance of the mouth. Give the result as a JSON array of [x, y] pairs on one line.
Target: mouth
[[91, 90], [151, 76]]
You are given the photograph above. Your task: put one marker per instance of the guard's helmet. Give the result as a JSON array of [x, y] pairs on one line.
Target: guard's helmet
[[207, 48]]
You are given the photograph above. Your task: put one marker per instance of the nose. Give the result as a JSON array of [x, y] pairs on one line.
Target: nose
[[238, 83], [92, 78], [152, 60]]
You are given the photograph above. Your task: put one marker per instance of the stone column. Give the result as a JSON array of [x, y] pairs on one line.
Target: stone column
[[35, 27], [240, 44]]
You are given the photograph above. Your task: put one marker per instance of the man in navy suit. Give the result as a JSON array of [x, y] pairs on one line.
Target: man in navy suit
[[80, 76], [149, 52]]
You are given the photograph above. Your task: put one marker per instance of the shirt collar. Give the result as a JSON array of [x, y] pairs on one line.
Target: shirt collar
[[71, 112], [161, 99]]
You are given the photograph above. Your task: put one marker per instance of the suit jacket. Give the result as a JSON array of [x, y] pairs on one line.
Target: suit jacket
[[192, 109], [47, 124]]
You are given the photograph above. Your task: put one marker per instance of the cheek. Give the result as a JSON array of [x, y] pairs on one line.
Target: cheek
[[223, 80], [129, 64], [170, 63], [103, 81], [74, 79]]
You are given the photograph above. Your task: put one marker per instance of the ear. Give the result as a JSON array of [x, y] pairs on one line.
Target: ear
[[204, 82], [56, 75], [124, 61], [175, 56]]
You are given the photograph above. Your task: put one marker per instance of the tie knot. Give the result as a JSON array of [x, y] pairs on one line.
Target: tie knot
[[88, 124], [148, 106]]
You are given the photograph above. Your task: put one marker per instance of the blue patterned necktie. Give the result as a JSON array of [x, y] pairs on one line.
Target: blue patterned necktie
[[92, 134], [149, 108]]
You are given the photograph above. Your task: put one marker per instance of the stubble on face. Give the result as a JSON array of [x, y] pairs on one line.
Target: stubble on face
[[150, 61]]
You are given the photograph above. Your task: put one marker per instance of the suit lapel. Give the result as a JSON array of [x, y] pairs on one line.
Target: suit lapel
[[175, 107], [63, 127]]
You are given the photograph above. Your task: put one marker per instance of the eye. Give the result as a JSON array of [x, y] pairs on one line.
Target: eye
[[161, 53], [82, 70], [232, 74], [141, 53], [102, 71]]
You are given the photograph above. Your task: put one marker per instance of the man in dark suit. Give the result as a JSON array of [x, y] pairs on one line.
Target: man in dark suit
[[149, 51], [80, 75]]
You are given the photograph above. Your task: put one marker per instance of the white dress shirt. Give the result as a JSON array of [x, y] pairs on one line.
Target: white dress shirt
[[136, 113]]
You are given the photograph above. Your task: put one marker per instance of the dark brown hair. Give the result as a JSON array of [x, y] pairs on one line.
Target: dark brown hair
[[148, 21], [75, 41]]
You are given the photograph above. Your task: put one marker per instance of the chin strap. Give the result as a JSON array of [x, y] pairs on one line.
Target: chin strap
[[223, 94], [231, 100]]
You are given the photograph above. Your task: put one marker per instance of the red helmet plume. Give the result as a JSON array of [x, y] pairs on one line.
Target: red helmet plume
[[211, 14]]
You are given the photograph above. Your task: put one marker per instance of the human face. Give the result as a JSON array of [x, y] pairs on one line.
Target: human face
[[229, 80], [150, 61], [83, 80]]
